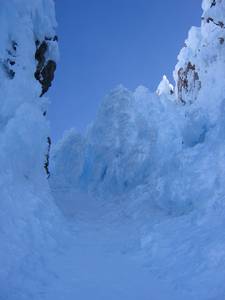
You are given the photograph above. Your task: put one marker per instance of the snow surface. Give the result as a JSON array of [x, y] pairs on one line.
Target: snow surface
[[29, 221], [134, 209]]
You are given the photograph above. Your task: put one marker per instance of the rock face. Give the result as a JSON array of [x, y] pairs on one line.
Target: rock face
[[44, 73], [200, 61], [45, 66], [188, 83]]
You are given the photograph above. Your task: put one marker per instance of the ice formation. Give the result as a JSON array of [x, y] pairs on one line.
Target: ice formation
[[28, 217], [142, 192], [165, 152]]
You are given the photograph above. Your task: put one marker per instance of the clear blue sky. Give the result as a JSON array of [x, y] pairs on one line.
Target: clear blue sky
[[107, 42]]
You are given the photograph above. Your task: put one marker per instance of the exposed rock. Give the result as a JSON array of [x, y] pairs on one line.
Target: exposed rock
[[10, 60], [55, 38], [40, 57], [45, 69], [46, 164], [213, 3], [47, 75], [10, 73], [188, 82], [219, 23], [221, 39]]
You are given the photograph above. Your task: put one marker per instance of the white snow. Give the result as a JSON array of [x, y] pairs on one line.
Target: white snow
[[134, 209], [165, 87], [29, 220]]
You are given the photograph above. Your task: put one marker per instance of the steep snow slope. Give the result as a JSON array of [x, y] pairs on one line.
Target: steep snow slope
[[163, 154], [28, 217]]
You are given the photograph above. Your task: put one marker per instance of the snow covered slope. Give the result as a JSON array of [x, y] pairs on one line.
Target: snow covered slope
[[163, 154], [143, 192], [28, 217]]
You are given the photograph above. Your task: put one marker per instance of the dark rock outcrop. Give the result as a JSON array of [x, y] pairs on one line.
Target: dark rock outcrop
[[213, 3], [9, 62], [45, 69], [47, 75], [221, 40], [46, 164], [188, 82]]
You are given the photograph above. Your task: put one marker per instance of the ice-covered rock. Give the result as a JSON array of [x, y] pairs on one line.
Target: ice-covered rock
[[27, 214], [199, 73], [165, 87]]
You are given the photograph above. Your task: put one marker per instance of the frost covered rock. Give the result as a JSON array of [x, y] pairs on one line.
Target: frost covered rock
[[200, 62], [27, 214], [188, 84], [165, 87]]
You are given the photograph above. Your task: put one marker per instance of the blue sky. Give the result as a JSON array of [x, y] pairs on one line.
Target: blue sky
[[104, 43]]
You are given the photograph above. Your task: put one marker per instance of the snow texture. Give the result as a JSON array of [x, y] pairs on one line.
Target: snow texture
[[28, 217], [134, 209], [161, 158]]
